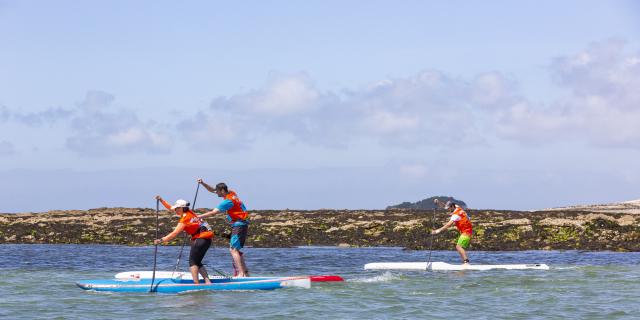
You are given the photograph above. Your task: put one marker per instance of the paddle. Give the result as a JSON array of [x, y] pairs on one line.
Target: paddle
[[155, 250], [433, 218]]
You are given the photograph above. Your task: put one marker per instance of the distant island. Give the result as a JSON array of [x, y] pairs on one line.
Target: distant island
[[427, 204]]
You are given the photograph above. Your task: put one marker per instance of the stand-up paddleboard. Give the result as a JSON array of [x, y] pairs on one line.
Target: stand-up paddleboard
[[443, 266], [179, 286], [179, 275]]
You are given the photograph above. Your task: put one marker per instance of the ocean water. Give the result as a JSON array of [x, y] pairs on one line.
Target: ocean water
[[38, 282]]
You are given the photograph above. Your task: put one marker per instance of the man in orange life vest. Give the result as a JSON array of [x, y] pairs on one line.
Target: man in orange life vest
[[463, 224], [238, 217], [200, 233]]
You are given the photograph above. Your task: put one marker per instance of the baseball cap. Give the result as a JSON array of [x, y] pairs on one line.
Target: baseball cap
[[180, 204]]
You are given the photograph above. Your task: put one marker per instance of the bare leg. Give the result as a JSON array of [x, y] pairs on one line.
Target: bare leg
[[238, 261], [205, 275], [244, 264], [235, 269], [463, 254], [194, 274]]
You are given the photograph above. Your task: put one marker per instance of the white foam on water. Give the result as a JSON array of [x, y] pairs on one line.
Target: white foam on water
[[565, 268], [385, 277]]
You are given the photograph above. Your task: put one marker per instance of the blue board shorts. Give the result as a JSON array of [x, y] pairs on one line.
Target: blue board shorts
[[238, 236]]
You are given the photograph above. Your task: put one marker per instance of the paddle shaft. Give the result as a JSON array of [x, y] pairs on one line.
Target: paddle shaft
[[433, 218], [186, 238], [155, 250]]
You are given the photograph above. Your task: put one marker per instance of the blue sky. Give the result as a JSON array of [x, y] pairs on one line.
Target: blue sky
[[319, 104]]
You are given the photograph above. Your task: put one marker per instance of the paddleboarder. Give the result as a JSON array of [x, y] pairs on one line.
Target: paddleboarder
[[201, 236], [238, 218], [460, 218]]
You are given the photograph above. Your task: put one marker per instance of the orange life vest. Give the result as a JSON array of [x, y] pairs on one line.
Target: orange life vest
[[195, 226], [464, 224], [236, 213], [192, 224]]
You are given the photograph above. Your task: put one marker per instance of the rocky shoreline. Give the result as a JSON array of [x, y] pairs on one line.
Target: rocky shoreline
[[494, 229]]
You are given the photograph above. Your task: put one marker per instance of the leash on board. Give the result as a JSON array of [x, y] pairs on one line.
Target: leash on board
[[155, 250], [224, 274]]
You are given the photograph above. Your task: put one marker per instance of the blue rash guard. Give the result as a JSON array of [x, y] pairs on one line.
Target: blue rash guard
[[225, 205]]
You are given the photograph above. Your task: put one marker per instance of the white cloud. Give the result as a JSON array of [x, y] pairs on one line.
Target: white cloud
[[526, 124], [282, 96], [429, 108], [96, 100], [6, 148], [98, 130], [414, 171], [34, 119], [386, 122], [48, 116], [4, 114], [96, 127], [133, 137], [205, 131], [286, 96], [602, 109], [493, 90]]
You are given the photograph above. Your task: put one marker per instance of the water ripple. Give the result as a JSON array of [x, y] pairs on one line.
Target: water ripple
[[37, 281]]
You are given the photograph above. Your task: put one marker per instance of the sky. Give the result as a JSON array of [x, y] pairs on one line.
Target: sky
[[319, 104]]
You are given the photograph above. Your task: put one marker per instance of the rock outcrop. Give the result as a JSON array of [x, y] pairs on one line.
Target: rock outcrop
[[631, 207], [493, 229]]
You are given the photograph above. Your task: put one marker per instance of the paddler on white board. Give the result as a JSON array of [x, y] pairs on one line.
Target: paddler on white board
[[201, 236], [238, 218], [460, 218]]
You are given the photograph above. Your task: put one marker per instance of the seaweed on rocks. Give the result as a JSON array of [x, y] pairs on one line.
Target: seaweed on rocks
[[408, 228]]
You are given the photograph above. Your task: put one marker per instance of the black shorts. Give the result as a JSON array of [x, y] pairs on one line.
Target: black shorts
[[199, 248]]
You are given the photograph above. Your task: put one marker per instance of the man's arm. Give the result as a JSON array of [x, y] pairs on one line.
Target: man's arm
[[445, 227], [224, 206], [209, 213], [208, 187]]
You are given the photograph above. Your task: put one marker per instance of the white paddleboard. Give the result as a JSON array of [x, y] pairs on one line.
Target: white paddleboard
[[178, 275], [443, 266]]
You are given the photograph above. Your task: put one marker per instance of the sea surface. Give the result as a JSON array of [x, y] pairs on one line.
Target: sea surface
[[38, 282]]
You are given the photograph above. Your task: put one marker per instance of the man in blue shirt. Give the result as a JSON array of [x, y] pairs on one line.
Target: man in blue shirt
[[238, 218]]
